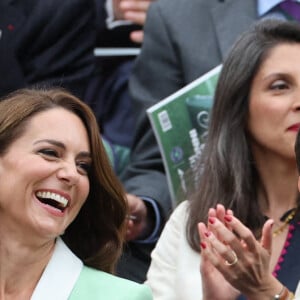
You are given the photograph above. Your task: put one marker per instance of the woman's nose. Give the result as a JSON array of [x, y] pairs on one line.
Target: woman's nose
[[296, 102], [68, 173]]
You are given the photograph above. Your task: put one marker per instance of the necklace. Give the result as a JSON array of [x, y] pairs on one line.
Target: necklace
[[286, 222]]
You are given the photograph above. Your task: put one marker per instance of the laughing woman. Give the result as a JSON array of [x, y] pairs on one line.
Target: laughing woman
[[62, 210]]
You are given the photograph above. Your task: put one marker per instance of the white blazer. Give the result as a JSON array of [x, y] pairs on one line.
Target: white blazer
[[174, 273]]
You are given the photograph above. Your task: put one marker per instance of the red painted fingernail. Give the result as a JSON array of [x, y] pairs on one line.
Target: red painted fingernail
[[207, 233], [211, 220], [228, 218], [203, 245]]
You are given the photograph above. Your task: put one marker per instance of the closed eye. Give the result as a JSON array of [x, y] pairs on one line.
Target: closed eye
[[83, 167], [49, 153], [279, 85]]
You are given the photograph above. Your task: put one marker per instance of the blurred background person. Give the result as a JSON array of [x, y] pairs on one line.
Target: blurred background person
[[40, 43], [119, 26]]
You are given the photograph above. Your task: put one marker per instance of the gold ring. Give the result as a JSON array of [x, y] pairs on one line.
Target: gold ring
[[234, 261]]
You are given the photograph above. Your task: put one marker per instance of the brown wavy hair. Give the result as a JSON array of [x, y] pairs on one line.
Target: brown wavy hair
[[96, 235]]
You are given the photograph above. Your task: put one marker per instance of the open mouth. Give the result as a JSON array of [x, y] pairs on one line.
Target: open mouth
[[52, 199]]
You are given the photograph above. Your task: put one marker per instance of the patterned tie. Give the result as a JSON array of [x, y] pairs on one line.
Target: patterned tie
[[291, 8]]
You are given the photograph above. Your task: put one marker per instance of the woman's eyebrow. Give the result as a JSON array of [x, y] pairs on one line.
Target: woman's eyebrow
[[82, 154], [53, 142]]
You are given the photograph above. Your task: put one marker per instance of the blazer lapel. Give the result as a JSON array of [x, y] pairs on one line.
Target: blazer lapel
[[60, 274]]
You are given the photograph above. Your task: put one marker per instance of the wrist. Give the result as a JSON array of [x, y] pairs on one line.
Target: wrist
[[268, 290], [284, 294]]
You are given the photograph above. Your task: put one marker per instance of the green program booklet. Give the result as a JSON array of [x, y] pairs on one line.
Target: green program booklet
[[180, 124]]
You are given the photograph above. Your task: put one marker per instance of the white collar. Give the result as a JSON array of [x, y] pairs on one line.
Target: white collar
[[59, 276]]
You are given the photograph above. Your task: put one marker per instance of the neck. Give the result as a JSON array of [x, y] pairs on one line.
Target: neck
[[278, 190], [21, 266]]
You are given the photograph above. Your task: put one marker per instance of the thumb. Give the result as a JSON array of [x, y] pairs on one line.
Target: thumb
[[266, 240], [137, 36]]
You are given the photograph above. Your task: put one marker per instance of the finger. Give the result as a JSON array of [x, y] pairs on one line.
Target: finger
[[215, 252], [224, 252], [135, 17], [220, 209], [212, 213], [131, 5], [202, 230], [218, 245], [206, 266], [130, 224], [207, 255], [229, 212], [137, 36], [133, 202], [204, 233], [134, 232], [137, 208], [244, 233], [266, 240], [128, 235], [133, 218], [218, 212], [225, 233]]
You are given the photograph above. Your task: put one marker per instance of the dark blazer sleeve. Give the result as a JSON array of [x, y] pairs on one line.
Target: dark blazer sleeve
[[155, 76], [9, 22], [56, 41]]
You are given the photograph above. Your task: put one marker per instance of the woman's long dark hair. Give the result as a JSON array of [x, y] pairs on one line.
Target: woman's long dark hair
[[228, 172]]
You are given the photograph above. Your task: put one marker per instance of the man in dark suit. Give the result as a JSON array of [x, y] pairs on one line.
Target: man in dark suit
[[117, 27], [182, 41], [47, 42], [108, 89]]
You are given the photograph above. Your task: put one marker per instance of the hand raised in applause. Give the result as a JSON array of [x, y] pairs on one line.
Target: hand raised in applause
[[213, 283], [231, 248]]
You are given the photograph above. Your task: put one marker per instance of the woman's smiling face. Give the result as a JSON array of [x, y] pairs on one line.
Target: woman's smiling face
[[44, 175]]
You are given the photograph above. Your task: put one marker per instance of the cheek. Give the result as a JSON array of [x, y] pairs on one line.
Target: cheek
[[264, 113], [84, 190]]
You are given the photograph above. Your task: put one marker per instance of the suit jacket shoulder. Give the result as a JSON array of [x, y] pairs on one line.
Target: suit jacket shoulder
[[94, 284]]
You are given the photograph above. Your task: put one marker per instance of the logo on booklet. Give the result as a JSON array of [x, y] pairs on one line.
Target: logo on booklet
[[176, 154]]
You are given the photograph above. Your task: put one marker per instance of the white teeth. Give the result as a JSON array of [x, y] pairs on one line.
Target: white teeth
[[49, 195]]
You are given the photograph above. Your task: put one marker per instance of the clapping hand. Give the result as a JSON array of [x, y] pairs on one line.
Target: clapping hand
[[214, 284], [233, 260]]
